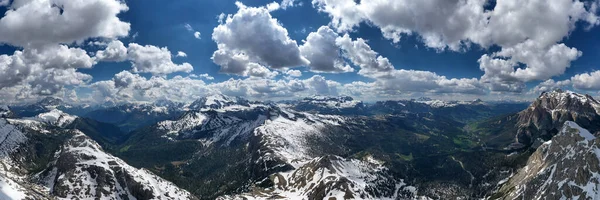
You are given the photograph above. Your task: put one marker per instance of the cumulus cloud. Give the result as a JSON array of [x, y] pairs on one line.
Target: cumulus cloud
[[204, 76], [115, 51], [542, 63], [323, 53], [549, 85], [457, 25], [393, 80], [155, 60], [294, 73], [253, 36], [197, 35], [42, 22], [360, 53], [46, 69], [587, 81], [144, 59]]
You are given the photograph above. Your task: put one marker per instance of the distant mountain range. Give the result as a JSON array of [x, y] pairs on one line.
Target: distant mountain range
[[222, 147]]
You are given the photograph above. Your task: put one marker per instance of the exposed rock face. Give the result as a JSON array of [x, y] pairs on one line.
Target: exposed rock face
[[344, 105], [217, 101], [40, 159], [82, 170], [566, 167], [546, 115], [5, 111], [333, 177]]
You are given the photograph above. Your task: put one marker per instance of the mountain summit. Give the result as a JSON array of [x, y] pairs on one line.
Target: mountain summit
[[217, 101], [547, 114]]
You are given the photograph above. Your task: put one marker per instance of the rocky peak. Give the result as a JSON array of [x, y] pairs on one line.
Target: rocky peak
[[55, 118], [82, 170], [547, 114], [50, 101], [558, 100], [477, 102], [217, 101], [5, 111], [334, 177], [565, 167], [330, 105]]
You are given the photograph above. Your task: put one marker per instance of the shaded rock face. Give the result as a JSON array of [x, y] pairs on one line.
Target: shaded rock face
[[546, 115], [566, 167]]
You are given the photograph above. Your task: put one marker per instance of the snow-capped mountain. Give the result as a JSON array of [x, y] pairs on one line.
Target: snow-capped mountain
[[565, 167], [81, 169], [333, 177], [343, 105], [55, 118], [41, 159], [219, 102]]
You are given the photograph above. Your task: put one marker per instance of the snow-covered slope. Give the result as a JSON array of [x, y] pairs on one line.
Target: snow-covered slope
[[333, 177], [330, 105], [286, 134], [55, 118], [566, 167], [81, 169], [220, 102]]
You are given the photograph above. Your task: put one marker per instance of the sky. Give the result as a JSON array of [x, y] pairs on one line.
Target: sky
[[99, 51]]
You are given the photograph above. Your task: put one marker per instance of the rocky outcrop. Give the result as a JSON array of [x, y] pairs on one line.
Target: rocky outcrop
[[546, 115], [565, 167]]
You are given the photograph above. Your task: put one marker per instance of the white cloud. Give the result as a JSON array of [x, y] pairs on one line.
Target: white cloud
[[273, 6], [204, 76], [323, 53], [453, 24], [4, 2], [294, 73], [145, 59], [189, 28], [542, 63], [322, 86], [46, 69], [290, 3], [587, 81], [152, 59], [240, 42], [115, 51], [42, 22], [392, 80], [549, 85], [361, 54], [528, 32], [181, 54]]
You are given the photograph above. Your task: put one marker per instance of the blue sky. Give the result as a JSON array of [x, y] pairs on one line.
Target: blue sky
[[429, 48]]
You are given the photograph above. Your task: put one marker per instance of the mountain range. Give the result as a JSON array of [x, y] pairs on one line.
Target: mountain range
[[221, 147]]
